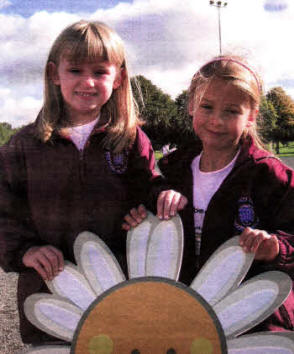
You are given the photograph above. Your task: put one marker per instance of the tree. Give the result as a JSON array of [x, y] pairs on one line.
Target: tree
[[283, 104], [6, 132], [267, 120], [183, 122], [156, 108]]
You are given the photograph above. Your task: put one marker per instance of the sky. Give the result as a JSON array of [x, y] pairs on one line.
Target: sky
[[167, 41]]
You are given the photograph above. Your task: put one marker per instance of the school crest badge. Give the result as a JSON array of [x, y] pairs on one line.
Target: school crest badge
[[246, 216]]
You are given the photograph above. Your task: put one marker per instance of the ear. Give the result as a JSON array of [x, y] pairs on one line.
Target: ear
[[53, 73], [252, 118], [120, 76]]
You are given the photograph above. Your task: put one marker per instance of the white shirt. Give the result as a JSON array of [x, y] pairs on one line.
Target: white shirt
[[205, 184], [80, 133]]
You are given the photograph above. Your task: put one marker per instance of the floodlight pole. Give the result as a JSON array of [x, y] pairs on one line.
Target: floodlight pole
[[219, 5]]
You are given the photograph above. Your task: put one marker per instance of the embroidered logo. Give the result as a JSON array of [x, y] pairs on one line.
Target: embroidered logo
[[246, 215], [118, 163]]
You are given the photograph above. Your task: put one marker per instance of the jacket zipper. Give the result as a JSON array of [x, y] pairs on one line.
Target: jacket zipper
[[81, 165]]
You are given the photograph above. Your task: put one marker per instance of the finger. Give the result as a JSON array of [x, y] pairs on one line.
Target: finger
[[183, 202], [41, 271], [41, 259], [256, 242], [169, 197], [259, 240], [59, 257], [125, 226], [160, 204], [142, 211], [51, 254], [244, 236], [247, 238], [174, 204], [135, 215], [130, 221]]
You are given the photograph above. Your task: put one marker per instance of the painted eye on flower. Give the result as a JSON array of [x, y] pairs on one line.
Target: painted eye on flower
[[99, 312]]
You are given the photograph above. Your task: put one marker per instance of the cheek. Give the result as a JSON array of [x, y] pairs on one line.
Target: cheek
[[197, 122]]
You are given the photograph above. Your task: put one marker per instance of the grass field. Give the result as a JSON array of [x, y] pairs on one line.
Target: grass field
[[287, 150]]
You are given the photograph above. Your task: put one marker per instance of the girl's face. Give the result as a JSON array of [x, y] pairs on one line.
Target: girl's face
[[223, 114], [85, 86]]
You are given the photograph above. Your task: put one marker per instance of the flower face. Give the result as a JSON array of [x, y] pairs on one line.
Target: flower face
[[99, 312], [130, 326]]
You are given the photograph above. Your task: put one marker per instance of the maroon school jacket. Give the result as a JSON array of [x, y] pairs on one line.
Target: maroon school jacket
[[50, 192], [265, 186]]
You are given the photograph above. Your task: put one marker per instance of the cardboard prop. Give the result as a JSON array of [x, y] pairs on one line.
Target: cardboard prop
[[94, 308]]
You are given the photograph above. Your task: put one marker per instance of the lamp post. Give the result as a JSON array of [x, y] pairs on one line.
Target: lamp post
[[219, 5]]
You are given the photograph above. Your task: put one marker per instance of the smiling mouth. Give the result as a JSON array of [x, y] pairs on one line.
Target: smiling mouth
[[215, 133], [86, 94]]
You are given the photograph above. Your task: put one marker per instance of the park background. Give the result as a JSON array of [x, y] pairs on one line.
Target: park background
[[166, 42]]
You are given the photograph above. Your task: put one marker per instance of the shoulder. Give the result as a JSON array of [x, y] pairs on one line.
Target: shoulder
[[264, 165], [273, 168], [179, 160], [142, 143], [25, 137]]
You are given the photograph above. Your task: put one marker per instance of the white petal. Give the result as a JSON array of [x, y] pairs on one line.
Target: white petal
[[223, 271], [165, 249], [262, 343], [97, 262], [254, 301], [52, 315], [71, 284], [137, 245], [50, 349]]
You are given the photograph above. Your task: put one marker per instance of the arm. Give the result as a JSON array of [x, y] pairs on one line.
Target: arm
[[274, 195], [161, 198], [17, 235]]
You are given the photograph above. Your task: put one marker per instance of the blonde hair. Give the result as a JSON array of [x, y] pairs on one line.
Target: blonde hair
[[231, 69], [89, 41]]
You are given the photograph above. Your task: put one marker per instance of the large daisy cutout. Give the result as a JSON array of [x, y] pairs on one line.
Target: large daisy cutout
[[97, 311]]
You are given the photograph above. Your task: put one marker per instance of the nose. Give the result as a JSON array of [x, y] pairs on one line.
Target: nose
[[89, 81], [215, 118]]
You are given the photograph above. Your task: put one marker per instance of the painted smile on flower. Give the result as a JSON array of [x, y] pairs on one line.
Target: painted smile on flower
[[97, 311]]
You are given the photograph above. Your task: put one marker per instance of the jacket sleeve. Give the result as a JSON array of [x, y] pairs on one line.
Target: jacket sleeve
[[16, 232], [144, 176], [276, 191]]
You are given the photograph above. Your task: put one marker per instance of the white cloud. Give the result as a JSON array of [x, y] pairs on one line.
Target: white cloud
[[167, 41], [17, 110]]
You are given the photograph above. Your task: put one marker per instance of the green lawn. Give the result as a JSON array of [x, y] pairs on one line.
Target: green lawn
[[287, 150]]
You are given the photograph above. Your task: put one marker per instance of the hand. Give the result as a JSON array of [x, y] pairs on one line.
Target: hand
[[46, 260], [169, 203], [265, 246], [135, 217]]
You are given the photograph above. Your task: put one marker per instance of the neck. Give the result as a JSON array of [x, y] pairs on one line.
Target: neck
[[216, 160], [81, 119]]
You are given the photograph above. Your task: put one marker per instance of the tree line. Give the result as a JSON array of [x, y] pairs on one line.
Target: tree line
[[166, 120]]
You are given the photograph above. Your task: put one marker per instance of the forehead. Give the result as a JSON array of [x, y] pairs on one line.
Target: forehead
[[93, 62], [225, 91]]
